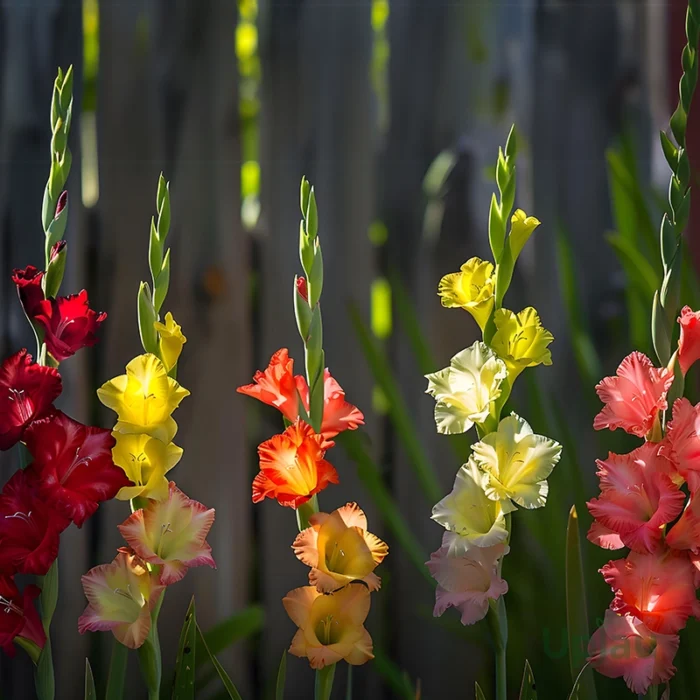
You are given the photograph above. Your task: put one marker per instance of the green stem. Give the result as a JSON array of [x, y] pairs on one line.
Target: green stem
[[117, 672], [652, 693], [498, 622], [305, 511], [150, 655], [324, 682]]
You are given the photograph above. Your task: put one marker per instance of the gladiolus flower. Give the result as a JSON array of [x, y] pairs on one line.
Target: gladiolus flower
[[637, 498], [171, 341], [121, 596], [521, 228], [689, 342], [73, 464], [27, 391], [69, 324], [172, 534], [292, 468], [331, 627], [471, 289], [144, 398], [29, 529], [469, 515], [634, 397], [465, 391], [279, 387], [683, 441], [145, 461], [29, 289], [520, 340], [685, 534], [516, 463], [339, 549], [19, 617], [467, 582], [625, 647], [659, 589]]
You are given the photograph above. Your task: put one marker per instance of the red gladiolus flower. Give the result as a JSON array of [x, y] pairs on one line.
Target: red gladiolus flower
[[18, 616], [30, 530], [689, 342], [292, 468], [69, 324], [278, 386], [27, 391], [73, 464], [28, 282]]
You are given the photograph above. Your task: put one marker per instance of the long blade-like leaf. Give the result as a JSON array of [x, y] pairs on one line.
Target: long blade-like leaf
[[281, 677], [239, 626], [223, 676], [90, 693], [183, 688], [117, 671], [528, 689], [577, 612], [478, 692]]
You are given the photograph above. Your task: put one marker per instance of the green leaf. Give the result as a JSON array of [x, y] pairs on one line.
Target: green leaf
[[383, 374], [183, 687], [146, 318], [239, 626], [281, 677], [324, 682], [439, 170], [577, 610], [43, 674], [395, 678], [478, 692], [117, 671], [638, 269], [528, 689], [223, 676], [90, 693], [49, 595]]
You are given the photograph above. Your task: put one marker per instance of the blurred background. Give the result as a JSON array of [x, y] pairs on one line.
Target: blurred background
[[394, 109]]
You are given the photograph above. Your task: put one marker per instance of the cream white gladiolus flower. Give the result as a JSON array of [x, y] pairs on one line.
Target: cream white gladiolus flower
[[465, 390], [516, 463], [473, 519]]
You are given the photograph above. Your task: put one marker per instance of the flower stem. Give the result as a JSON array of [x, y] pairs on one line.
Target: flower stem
[[324, 682], [117, 671], [305, 511], [498, 622], [652, 693], [150, 655]]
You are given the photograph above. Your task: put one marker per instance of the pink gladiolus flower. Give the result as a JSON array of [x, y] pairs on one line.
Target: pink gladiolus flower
[[625, 647], [683, 443], [172, 534], [685, 534], [634, 397], [659, 589], [467, 582], [637, 499], [689, 342]]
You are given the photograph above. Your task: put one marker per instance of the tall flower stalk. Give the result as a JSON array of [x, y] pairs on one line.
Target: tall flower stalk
[[340, 552], [509, 465]]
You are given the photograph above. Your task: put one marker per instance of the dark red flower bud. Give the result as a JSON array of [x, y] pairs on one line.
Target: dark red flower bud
[[57, 249], [61, 204], [28, 282]]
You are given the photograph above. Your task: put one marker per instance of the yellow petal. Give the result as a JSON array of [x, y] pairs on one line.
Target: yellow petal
[[171, 341], [472, 289], [520, 340], [521, 228]]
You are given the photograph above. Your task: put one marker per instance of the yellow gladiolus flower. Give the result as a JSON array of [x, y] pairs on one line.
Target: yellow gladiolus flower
[[465, 390], [145, 460], [520, 340], [144, 398], [171, 341], [521, 228], [470, 517], [516, 463], [331, 627], [472, 289]]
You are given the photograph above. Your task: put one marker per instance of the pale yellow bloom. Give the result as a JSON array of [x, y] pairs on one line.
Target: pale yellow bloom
[[171, 341], [520, 340], [465, 390], [472, 289], [516, 463]]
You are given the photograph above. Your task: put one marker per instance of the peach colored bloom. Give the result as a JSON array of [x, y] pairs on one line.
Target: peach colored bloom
[[659, 589], [682, 445], [172, 534], [292, 468], [331, 627], [604, 537], [625, 647], [467, 582], [121, 596], [278, 386], [637, 499], [634, 397], [689, 342], [339, 549]]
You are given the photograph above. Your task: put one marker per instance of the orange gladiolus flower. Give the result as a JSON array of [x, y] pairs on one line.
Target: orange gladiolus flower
[[339, 549], [331, 627], [292, 468], [689, 342]]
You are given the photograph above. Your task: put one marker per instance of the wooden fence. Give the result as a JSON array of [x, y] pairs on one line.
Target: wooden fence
[[166, 97]]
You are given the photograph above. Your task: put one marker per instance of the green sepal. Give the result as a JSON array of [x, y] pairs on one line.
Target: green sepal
[[55, 231], [679, 121], [683, 171], [497, 229], [66, 90], [512, 143], [155, 251], [146, 318], [164, 217], [302, 311], [504, 274], [161, 192], [661, 336], [54, 273], [304, 195], [162, 283], [312, 216], [317, 396], [670, 150], [306, 250], [314, 346], [315, 281], [48, 209]]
